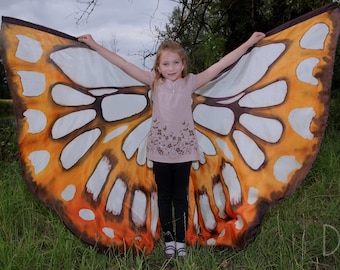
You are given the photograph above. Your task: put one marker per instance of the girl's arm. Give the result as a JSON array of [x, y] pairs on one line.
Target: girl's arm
[[229, 59], [134, 71]]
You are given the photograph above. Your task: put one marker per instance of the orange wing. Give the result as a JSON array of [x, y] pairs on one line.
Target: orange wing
[[75, 138], [83, 123], [262, 124]]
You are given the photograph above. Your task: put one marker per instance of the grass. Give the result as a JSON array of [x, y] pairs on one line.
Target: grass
[[292, 235]]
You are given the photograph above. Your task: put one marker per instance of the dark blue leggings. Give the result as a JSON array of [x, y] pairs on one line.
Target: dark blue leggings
[[172, 181]]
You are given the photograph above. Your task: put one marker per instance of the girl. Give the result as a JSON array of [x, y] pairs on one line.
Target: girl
[[172, 143]]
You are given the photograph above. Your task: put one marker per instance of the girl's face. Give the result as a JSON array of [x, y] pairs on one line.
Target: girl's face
[[170, 65]]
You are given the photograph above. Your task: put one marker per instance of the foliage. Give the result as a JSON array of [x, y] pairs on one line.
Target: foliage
[[8, 146], [4, 90], [6, 106], [336, 77]]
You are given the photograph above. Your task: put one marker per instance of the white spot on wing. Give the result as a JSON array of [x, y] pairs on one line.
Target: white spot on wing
[[115, 133], [195, 165], [314, 38], [239, 223], [251, 153], [205, 144], [225, 149], [219, 198], [72, 121], [154, 213], [68, 193], [267, 129], [28, 49], [78, 147], [97, 179], [103, 91], [230, 178], [33, 83], [222, 233], [233, 82], [120, 106], [304, 71], [39, 160], [220, 119], [231, 100], [87, 214], [115, 200], [196, 224], [141, 155], [271, 95], [136, 139], [284, 166], [207, 214], [149, 163], [138, 238], [138, 208], [36, 120], [300, 120], [67, 96], [253, 194], [201, 158], [109, 232], [211, 242], [95, 71]]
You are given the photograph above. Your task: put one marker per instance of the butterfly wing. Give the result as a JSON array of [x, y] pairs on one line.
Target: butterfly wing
[[260, 125], [82, 126]]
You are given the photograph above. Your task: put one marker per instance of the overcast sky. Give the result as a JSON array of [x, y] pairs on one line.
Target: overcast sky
[[130, 23]]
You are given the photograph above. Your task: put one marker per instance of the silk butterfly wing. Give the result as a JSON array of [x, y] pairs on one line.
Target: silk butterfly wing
[[82, 126], [260, 126]]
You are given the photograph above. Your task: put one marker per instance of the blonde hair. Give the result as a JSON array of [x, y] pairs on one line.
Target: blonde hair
[[172, 46]]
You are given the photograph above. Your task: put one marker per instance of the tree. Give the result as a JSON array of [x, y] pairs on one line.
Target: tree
[[208, 29], [89, 7], [4, 90]]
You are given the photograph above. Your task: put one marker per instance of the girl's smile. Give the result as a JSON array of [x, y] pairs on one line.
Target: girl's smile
[[170, 65]]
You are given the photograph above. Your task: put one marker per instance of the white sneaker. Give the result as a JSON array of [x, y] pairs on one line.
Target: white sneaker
[[181, 249], [170, 249]]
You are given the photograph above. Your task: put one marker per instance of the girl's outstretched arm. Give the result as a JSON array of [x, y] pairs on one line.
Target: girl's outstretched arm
[[229, 59], [131, 69]]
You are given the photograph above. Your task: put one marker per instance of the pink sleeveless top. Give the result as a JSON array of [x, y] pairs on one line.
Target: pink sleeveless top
[[172, 137]]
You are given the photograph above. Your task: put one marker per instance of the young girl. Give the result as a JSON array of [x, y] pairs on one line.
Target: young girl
[[172, 143]]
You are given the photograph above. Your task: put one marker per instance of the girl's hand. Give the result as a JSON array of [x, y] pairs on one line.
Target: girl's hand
[[88, 40], [255, 37]]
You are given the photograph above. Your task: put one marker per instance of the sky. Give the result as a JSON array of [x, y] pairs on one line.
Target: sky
[[126, 26]]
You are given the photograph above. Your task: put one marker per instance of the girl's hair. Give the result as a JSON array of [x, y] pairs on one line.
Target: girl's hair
[[172, 46]]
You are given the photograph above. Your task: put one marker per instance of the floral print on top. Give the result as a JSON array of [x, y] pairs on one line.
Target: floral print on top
[[172, 137], [168, 143]]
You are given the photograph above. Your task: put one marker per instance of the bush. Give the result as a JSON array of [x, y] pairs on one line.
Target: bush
[[334, 110], [9, 150], [6, 106]]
